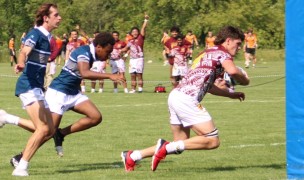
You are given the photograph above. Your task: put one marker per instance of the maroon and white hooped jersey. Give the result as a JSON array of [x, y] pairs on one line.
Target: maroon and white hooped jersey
[[136, 47], [203, 72], [115, 55], [179, 53]]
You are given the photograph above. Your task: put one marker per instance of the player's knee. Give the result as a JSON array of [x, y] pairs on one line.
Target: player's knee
[[214, 143], [52, 132], [213, 139], [45, 131], [96, 119]]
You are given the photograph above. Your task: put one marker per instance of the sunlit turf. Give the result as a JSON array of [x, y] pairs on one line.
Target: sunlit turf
[[252, 132]]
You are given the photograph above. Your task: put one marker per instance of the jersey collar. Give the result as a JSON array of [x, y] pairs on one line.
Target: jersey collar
[[92, 50], [43, 30]]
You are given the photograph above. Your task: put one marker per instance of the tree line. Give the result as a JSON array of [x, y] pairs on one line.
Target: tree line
[[265, 17]]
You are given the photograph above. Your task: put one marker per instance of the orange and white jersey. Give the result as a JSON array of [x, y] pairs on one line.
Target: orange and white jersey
[[210, 41], [251, 41], [191, 38], [11, 44]]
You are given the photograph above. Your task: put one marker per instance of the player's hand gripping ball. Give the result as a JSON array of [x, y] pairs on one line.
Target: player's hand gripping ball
[[232, 82]]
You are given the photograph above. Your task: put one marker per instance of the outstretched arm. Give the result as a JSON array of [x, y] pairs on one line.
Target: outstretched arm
[[86, 73], [82, 32], [143, 28], [196, 42]]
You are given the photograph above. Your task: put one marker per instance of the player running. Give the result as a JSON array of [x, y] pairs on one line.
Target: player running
[[250, 47], [66, 90], [185, 109], [32, 62]]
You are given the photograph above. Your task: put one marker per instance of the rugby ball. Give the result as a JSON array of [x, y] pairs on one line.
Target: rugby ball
[[230, 81]]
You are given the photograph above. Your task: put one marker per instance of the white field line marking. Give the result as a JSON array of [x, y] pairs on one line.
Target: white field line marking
[[281, 99], [256, 145], [206, 102], [157, 81]]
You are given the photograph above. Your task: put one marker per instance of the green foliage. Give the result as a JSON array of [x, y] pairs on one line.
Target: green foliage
[[266, 17]]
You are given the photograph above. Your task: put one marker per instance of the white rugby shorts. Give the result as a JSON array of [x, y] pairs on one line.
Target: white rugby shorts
[[118, 66], [179, 70], [99, 66], [186, 110], [136, 65], [52, 68], [31, 96], [62, 102]]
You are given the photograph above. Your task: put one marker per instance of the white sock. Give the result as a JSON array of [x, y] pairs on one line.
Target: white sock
[[115, 90], [136, 156], [175, 147], [126, 90], [11, 119], [140, 89], [23, 164], [83, 88], [100, 90]]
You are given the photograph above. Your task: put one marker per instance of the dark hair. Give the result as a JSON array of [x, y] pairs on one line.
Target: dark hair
[[175, 28], [115, 32], [228, 32], [44, 10], [133, 29], [103, 39], [180, 36], [74, 30]]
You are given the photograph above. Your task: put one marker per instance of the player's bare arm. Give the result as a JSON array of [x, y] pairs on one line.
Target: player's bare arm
[[86, 73], [215, 90], [143, 28], [119, 78], [124, 51], [235, 72], [67, 54], [22, 58]]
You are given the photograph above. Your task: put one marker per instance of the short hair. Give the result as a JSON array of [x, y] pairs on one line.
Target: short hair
[[180, 36], [103, 39], [175, 28], [44, 10], [74, 30], [133, 28], [115, 32], [228, 32], [250, 31]]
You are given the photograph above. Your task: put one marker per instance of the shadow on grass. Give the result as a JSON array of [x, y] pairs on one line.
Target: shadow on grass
[[91, 167], [233, 168], [99, 166], [119, 165]]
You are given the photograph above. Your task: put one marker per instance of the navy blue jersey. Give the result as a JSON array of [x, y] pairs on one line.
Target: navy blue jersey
[[69, 79], [35, 65]]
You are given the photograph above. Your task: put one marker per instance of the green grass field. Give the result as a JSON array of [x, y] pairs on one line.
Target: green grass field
[[252, 132]]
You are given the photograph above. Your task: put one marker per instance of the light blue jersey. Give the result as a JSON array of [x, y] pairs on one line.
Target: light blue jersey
[[69, 79], [35, 65]]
